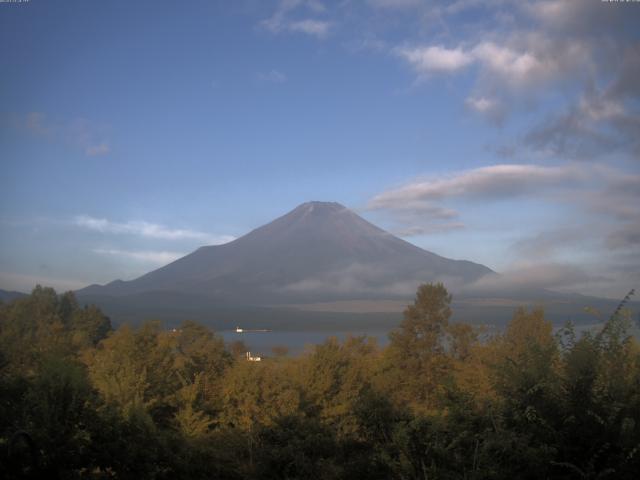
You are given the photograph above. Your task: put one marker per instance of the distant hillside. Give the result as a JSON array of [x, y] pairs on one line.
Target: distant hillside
[[7, 295]]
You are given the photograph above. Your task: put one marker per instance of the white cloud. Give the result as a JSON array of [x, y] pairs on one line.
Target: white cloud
[[490, 108], [527, 62], [146, 229], [514, 67], [482, 105], [577, 60], [146, 256], [316, 28], [430, 59], [552, 10]]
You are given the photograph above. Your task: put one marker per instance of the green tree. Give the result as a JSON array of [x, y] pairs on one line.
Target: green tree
[[190, 420], [526, 373], [255, 395], [201, 359], [30, 328], [334, 376], [57, 413], [417, 361], [88, 326], [135, 370], [600, 403], [296, 447]]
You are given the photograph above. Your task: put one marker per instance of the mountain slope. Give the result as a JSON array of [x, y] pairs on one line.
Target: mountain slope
[[319, 251], [7, 296]]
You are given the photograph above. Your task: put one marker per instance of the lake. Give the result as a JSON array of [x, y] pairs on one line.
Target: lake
[[261, 343]]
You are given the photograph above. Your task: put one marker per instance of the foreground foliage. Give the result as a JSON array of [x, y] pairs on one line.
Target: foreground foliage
[[81, 400]]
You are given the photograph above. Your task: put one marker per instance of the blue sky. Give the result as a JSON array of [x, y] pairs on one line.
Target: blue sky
[[507, 133]]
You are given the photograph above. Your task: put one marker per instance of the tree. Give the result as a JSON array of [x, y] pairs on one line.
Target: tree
[[255, 395], [58, 416], [526, 376], [121, 380], [601, 402], [335, 375], [258, 393], [135, 369], [191, 421], [296, 447], [416, 358], [32, 328], [201, 359]]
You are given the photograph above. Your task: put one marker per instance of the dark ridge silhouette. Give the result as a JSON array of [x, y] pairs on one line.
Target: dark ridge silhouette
[[7, 296]]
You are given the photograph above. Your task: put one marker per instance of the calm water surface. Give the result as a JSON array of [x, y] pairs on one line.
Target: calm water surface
[[261, 343]]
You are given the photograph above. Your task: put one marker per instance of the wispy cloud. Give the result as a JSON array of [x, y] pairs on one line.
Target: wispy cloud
[[79, 133], [272, 76], [283, 19], [492, 182], [490, 108], [597, 189], [547, 244], [417, 230], [145, 256], [146, 229], [602, 226], [395, 4], [481, 104], [529, 276], [420, 207], [316, 28], [626, 236], [97, 150], [601, 121], [527, 64], [36, 122]]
